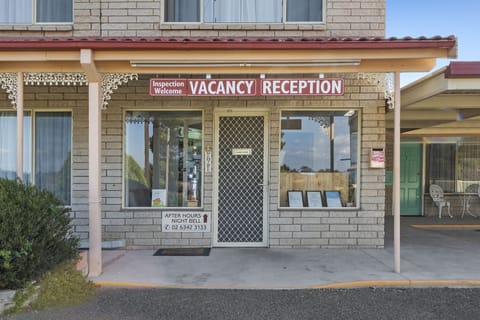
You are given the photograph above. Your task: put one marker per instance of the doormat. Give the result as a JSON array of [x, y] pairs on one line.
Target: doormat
[[183, 252]]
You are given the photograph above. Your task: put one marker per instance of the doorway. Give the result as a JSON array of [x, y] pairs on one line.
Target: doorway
[[410, 179], [240, 180]]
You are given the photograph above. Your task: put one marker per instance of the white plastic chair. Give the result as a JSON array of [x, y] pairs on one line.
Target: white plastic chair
[[436, 192]]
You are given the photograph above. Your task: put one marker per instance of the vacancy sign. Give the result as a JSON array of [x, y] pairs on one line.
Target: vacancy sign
[[246, 87]]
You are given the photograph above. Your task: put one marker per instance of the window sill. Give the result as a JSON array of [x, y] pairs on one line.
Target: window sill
[[36, 27], [245, 26], [162, 209], [318, 209]]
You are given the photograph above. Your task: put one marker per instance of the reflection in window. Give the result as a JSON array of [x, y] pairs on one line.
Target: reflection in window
[[454, 165], [53, 145], [47, 11], [8, 145], [163, 158], [244, 11], [52, 151], [319, 153], [54, 11]]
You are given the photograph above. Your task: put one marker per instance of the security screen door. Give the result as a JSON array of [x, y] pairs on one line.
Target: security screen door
[[240, 186]]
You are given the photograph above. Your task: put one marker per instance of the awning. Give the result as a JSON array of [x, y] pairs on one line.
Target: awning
[[444, 103], [226, 55]]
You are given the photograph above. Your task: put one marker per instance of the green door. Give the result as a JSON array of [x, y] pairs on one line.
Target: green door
[[410, 179]]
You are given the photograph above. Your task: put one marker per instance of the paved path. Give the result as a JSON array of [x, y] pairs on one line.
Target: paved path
[[446, 257]]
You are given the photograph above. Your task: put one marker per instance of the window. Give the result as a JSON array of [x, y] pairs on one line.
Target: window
[[43, 11], [51, 150], [243, 11], [8, 145], [53, 144], [318, 152], [453, 166], [163, 158]]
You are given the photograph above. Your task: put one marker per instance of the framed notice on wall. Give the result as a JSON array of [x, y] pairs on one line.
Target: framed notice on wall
[[295, 199], [333, 199], [314, 199]]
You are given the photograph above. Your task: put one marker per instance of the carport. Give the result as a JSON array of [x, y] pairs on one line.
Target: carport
[[441, 118], [445, 103]]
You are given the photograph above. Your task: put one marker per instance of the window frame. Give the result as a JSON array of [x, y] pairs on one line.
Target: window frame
[[124, 159], [456, 142], [34, 21], [358, 165], [32, 144], [266, 25]]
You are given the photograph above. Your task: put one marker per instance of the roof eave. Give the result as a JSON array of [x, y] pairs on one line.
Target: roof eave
[[225, 43]]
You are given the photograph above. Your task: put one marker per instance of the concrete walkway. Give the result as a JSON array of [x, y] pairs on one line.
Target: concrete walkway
[[430, 256]]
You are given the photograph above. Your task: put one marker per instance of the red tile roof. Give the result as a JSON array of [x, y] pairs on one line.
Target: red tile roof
[[463, 69], [177, 43]]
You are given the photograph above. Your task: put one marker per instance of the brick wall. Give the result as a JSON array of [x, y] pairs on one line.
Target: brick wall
[[287, 227], [113, 18]]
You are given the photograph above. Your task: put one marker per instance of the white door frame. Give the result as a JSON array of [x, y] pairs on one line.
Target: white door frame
[[266, 184]]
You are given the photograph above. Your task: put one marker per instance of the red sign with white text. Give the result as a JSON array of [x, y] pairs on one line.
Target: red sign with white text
[[302, 87], [246, 87]]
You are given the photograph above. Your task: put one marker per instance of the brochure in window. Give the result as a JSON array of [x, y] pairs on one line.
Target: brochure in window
[[159, 198]]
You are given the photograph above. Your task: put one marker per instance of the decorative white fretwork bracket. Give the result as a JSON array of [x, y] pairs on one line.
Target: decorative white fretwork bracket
[[55, 79], [8, 82], [110, 82]]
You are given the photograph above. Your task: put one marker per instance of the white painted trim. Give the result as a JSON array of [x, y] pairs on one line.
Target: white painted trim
[[396, 175], [94, 178], [20, 87]]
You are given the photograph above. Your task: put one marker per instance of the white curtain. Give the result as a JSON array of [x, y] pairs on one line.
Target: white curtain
[[53, 153], [54, 11], [260, 11], [8, 146], [16, 11]]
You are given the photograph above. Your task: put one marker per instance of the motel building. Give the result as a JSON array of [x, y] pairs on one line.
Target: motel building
[[197, 123]]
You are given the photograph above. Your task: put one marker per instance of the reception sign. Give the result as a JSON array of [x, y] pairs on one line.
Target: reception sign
[[246, 87]]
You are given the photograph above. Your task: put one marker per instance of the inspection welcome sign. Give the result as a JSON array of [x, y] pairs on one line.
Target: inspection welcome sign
[[246, 87]]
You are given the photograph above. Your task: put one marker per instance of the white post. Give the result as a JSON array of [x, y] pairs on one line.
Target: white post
[[396, 173], [20, 126], [94, 174]]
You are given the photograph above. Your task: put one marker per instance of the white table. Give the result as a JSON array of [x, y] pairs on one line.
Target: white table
[[471, 192]]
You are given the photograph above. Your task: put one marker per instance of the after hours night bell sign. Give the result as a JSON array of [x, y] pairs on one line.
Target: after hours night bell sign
[[246, 87], [186, 221]]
